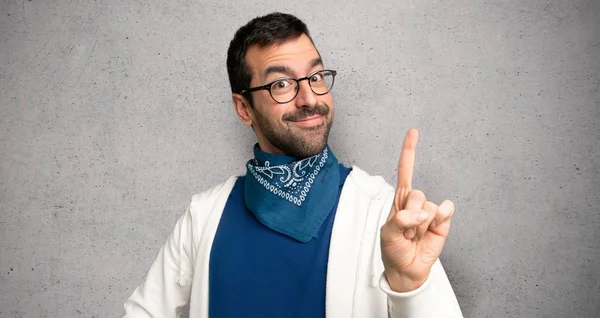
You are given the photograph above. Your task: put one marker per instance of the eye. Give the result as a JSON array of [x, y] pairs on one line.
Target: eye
[[316, 77], [280, 84]]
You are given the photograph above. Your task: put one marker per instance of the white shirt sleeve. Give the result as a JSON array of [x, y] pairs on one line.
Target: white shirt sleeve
[[435, 298], [165, 292]]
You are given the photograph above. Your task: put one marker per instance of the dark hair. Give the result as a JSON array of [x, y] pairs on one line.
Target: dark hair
[[271, 29]]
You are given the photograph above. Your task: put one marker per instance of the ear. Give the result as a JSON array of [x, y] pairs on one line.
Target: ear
[[242, 109]]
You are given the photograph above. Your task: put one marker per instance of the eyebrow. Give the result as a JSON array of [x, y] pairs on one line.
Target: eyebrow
[[288, 71]]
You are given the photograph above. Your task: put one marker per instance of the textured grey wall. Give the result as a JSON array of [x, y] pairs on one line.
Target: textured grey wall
[[113, 115]]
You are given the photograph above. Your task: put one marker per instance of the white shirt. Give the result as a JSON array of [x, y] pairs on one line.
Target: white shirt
[[177, 283]]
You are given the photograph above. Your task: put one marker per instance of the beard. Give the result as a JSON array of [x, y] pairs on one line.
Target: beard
[[296, 141]]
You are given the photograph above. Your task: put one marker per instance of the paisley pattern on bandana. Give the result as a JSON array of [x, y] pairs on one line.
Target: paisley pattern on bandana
[[292, 196], [291, 182]]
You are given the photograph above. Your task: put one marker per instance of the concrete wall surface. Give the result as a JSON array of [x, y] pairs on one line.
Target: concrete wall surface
[[113, 113]]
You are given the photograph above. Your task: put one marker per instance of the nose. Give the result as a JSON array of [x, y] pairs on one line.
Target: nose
[[306, 97]]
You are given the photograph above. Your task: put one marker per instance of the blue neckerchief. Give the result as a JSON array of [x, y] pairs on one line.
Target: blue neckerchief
[[289, 195]]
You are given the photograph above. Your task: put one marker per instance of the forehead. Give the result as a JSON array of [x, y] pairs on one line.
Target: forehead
[[296, 54]]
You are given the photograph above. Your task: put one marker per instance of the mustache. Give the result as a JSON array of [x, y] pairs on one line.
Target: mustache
[[321, 110]]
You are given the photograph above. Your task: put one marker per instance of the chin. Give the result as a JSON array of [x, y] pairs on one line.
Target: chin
[[316, 146]]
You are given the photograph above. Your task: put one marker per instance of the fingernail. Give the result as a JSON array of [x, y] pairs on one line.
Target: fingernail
[[422, 216], [433, 224]]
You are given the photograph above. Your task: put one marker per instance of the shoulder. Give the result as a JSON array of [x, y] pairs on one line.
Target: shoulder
[[373, 186], [209, 197], [205, 209]]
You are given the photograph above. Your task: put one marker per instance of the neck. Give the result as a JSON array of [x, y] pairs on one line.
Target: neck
[[262, 156], [273, 158]]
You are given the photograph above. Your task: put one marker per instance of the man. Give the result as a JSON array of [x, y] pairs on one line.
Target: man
[[299, 235]]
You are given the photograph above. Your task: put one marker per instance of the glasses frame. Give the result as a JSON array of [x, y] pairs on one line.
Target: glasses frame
[[268, 86]]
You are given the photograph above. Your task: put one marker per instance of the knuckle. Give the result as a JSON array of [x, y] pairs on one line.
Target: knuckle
[[449, 205], [446, 209], [417, 195], [430, 206], [402, 217]]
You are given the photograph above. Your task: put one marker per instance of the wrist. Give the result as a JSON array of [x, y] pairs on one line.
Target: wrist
[[402, 283]]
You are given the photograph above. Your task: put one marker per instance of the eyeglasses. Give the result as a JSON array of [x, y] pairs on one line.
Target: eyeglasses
[[284, 90]]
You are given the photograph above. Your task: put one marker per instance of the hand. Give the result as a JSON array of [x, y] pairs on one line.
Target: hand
[[415, 231]]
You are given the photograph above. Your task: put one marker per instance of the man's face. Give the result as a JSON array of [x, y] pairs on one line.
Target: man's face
[[300, 127]]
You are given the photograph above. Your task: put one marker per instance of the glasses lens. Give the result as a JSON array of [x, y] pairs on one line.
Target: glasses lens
[[322, 82], [284, 90]]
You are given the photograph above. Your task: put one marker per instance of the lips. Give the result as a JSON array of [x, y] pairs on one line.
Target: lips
[[309, 118], [309, 121]]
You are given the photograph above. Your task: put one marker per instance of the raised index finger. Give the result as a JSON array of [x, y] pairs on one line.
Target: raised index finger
[[406, 165]]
